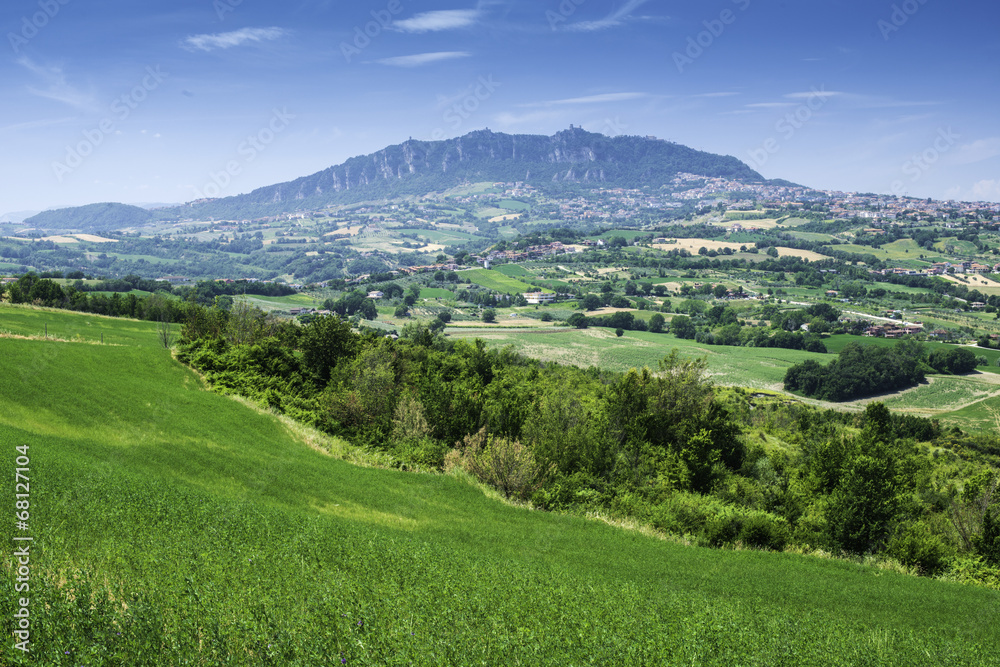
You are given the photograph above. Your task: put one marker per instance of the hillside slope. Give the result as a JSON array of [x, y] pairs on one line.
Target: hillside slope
[[91, 218], [172, 525]]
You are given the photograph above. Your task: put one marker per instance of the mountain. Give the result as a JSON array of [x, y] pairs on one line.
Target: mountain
[[16, 217], [91, 218], [417, 167]]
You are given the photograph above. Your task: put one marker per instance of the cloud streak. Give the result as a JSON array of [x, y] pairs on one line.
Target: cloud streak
[[591, 99], [445, 19], [613, 20], [55, 86], [420, 59], [228, 40]]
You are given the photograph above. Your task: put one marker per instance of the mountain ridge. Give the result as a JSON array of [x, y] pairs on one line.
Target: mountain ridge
[[414, 167]]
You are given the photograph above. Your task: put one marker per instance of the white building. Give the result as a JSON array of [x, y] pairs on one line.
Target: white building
[[539, 297]]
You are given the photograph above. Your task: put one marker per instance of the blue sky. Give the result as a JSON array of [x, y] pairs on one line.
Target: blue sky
[[165, 101]]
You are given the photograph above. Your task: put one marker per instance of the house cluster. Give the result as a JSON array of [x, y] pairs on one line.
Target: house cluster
[[448, 266], [308, 311], [531, 252], [737, 228], [941, 268], [892, 330]]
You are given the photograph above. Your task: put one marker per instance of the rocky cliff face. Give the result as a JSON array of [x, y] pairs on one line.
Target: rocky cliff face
[[572, 155]]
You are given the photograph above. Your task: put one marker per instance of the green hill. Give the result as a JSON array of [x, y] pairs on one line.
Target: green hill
[[91, 218], [172, 525]]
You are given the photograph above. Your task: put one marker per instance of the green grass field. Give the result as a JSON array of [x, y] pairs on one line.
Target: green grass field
[[513, 205], [172, 525], [738, 366], [436, 293], [65, 325], [497, 281], [443, 236], [513, 270]]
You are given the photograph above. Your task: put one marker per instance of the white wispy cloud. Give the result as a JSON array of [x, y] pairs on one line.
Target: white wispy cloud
[[719, 94], [977, 151], [227, 40], [590, 99], [811, 94], [770, 105], [54, 86], [32, 124], [418, 59], [445, 19], [986, 190], [612, 20]]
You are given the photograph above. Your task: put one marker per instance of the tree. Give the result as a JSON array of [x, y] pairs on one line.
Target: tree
[[720, 291], [619, 332], [489, 316], [656, 323], [325, 341], [591, 302], [682, 327], [164, 334], [618, 301], [577, 320], [864, 504]]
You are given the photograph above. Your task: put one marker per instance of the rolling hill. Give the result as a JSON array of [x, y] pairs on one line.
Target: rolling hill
[[172, 525], [91, 218]]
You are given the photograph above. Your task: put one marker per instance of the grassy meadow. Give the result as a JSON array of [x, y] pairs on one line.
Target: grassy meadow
[[497, 281], [173, 525], [744, 366]]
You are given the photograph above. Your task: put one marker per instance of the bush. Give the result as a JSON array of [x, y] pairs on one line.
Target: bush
[[918, 546], [973, 570], [752, 528], [504, 464]]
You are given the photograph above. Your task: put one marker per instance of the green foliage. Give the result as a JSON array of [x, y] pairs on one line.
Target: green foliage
[[858, 371], [325, 341], [504, 464], [916, 545], [682, 327], [988, 543], [955, 360], [92, 217]]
